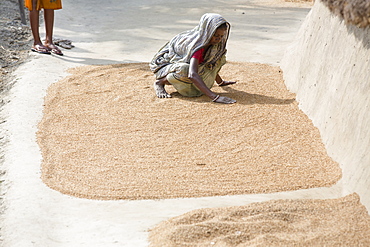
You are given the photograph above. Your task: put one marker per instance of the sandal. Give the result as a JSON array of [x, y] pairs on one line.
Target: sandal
[[55, 50], [40, 49], [64, 43]]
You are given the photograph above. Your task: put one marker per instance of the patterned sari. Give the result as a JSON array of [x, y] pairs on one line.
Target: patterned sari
[[44, 4], [172, 60]]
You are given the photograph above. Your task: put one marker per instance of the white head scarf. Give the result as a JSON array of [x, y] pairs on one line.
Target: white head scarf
[[181, 48]]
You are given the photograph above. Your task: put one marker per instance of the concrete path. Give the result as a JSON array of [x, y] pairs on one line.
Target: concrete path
[[106, 32]]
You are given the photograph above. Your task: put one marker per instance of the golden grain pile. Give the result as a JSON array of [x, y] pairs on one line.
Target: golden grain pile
[[105, 135], [331, 222]]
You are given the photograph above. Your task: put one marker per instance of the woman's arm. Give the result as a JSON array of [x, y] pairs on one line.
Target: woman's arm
[[197, 80], [199, 83]]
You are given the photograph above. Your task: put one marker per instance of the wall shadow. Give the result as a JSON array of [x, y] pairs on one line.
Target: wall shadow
[[361, 34]]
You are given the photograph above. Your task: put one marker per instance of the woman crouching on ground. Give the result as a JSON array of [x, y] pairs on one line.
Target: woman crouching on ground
[[192, 59]]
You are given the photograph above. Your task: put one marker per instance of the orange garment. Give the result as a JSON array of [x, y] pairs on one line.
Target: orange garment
[[44, 4]]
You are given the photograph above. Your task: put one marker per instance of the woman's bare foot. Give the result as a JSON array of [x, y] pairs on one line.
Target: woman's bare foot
[[159, 88]]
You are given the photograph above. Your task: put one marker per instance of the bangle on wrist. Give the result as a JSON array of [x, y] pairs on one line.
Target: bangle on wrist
[[221, 83], [216, 98]]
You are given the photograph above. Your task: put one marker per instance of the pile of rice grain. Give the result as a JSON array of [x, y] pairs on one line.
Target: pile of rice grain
[[105, 135], [331, 222]]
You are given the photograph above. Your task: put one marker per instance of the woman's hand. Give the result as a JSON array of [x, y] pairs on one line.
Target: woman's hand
[[198, 82], [226, 83], [223, 100]]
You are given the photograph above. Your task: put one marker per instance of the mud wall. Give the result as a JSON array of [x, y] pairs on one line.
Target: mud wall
[[328, 68]]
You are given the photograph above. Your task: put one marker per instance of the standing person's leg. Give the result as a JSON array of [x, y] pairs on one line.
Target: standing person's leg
[[34, 22], [49, 27]]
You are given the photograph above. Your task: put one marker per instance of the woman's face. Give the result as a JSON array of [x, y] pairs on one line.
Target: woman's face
[[217, 36]]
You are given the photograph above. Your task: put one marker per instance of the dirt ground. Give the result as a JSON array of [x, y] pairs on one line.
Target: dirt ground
[[15, 40]]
